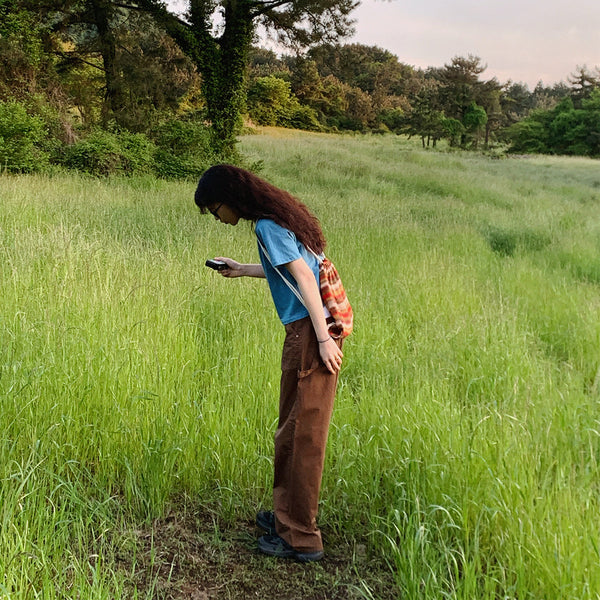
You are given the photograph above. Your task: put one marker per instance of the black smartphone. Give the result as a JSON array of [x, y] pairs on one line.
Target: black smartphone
[[217, 265]]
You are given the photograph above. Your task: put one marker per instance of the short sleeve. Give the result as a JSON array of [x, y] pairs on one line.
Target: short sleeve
[[281, 243]]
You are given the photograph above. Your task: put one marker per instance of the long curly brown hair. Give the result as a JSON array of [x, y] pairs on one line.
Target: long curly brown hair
[[254, 198]]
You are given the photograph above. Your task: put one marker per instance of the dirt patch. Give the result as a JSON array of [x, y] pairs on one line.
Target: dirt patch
[[191, 556]]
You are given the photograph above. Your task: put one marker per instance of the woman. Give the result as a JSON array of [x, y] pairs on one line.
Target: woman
[[288, 235]]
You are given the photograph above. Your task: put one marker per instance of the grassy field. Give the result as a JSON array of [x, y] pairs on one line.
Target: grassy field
[[138, 389]]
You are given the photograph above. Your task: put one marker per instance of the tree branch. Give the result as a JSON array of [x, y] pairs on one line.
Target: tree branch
[[267, 6], [76, 58]]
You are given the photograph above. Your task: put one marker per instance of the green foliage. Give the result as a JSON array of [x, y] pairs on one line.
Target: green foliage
[[304, 117], [393, 119], [369, 68], [104, 153], [561, 130], [453, 130], [529, 136], [98, 63], [21, 28], [155, 74], [271, 102], [20, 137], [177, 150], [474, 118], [183, 149], [221, 51]]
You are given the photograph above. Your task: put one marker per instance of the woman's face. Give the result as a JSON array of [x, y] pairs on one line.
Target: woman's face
[[224, 213]]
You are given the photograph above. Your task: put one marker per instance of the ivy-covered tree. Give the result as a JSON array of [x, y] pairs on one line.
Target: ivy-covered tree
[[217, 36]]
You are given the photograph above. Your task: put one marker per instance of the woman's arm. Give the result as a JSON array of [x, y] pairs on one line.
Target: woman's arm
[[328, 349], [237, 269]]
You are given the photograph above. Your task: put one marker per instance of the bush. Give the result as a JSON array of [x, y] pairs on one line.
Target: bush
[[269, 100], [304, 117], [562, 130], [528, 136], [104, 153], [393, 118], [183, 149], [453, 130], [20, 137]]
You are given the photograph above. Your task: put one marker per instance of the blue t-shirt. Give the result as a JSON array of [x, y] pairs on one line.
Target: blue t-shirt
[[283, 247]]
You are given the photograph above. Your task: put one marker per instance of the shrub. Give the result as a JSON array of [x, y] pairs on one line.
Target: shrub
[[453, 130], [304, 117], [183, 149], [105, 153], [20, 137], [529, 136], [269, 100], [393, 118]]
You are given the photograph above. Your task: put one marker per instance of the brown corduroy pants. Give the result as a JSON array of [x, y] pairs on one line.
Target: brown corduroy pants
[[305, 405]]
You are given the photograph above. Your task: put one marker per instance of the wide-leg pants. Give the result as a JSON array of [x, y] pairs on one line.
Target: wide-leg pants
[[307, 394]]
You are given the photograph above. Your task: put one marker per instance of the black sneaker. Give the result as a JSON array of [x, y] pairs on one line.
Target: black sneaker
[[265, 519], [273, 545]]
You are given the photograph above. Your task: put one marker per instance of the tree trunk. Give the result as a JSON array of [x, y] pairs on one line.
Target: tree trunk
[[220, 61], [114, 102], [224, 76]]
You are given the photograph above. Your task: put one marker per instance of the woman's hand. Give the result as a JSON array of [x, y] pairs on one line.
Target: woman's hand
[[331, 355], [234, 268]]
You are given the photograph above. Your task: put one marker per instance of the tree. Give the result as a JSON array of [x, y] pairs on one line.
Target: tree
[[142, 70], [546, 97], [90, 25], [516, 101], [269, 100], [460, 85], [582, 82], [156, 75], [23, 61], [306, 82], [489, 100], [561, 130], [217, 36], [474, 121], [425, 117], [370, 68], [473, 103]]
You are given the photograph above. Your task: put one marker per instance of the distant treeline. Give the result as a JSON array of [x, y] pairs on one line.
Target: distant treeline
[[85, 84], [364, 88]]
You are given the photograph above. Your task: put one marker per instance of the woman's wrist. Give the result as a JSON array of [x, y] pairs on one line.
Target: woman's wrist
[[325, 340]]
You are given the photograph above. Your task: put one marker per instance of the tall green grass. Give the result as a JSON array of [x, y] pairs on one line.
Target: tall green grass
[[465, 442]]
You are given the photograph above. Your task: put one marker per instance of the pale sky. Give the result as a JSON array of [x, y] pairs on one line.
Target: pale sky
[[519, 40]]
